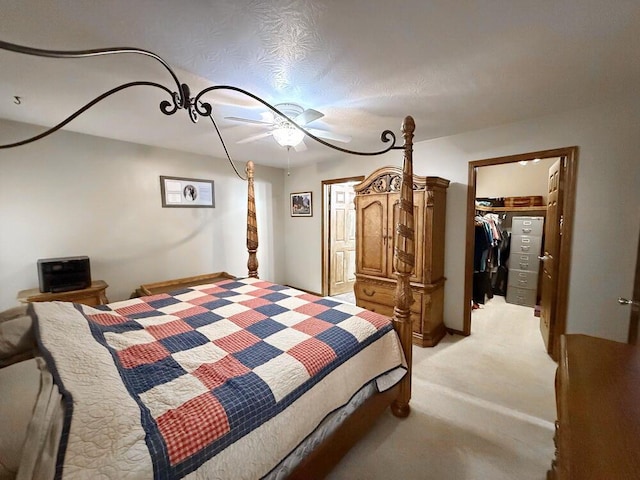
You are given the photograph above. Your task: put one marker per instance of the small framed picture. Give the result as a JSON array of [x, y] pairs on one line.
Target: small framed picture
[[187, 192], [301, 204]]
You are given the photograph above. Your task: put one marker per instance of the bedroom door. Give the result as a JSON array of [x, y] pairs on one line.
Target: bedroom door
[[552, 232], [342, 240], [634, 303]]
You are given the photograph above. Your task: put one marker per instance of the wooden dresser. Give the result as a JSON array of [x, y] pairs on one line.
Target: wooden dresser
[[598, 401], [93, 295], [376, 200]]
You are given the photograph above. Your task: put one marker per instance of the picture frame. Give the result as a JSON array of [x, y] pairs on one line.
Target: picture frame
[[180, 192], [301, 204]]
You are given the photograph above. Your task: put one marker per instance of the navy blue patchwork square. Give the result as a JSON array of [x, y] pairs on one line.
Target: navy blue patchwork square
[[275, 296], [271, 310], [144, 377], [226, 294], [216, 304], [162, 302], [276, 288], [150, 313], [247, 400], [257, 354], [327, 302], [231, 285], [118, 328], [265, 328], [184, 341], [201, 319], [333, 316], [341, 341]]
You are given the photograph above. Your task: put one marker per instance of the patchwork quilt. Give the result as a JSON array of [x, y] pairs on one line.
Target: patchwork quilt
[[213, 381]]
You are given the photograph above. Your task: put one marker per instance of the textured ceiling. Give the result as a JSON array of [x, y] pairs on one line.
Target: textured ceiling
[[454, 65]]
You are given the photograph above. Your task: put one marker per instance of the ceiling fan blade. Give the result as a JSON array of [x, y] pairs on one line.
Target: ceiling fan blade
[[337, 137], [253, 138], [248, 120], [308, 116], [301, 147]]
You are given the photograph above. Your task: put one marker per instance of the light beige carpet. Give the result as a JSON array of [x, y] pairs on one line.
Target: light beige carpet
[[483, 407]]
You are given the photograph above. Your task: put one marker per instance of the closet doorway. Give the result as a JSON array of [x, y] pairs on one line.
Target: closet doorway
[[338, 236], [555, 254]]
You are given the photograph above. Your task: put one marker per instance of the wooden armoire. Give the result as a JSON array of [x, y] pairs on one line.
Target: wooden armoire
[[376, 202]]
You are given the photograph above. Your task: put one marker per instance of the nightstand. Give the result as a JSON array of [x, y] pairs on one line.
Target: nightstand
[[94, 295]]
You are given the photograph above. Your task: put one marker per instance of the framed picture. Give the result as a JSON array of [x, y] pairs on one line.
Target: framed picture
[[187, 192], [301, 204]]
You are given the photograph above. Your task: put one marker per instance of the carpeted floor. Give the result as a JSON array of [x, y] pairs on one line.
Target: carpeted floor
[[483, 407]]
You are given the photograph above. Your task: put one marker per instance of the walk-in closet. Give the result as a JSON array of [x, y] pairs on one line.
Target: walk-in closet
[[510, 213]]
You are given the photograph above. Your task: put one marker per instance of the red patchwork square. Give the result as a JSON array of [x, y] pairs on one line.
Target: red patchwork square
[[255, 302], [236, 342], [311, 309], [313, 354], [260, 292], [312, 326], [203, 299], [144, 354], [213, 290], [192, 426], [136, 308], [263, 284], [248, 318], [190, 312], [376, 319], [215, 374], [168, 329], [308, 297], [107, 319]]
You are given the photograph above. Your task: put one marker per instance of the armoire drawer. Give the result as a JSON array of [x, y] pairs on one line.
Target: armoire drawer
[[523, 278], [387, 311], [527, 226], [385, 295], [521, 296], [525, 244], [525, 261]]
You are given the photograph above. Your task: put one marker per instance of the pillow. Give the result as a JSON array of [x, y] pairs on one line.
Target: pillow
[[20, 384], [14, 312], [17, 341]]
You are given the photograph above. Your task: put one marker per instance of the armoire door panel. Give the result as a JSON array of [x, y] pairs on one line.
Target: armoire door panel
[[371, 234]]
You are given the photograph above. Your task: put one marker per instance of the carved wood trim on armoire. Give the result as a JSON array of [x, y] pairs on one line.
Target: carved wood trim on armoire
[[376, 200]]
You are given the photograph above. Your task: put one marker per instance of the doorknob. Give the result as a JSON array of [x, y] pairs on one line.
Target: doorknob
[[626, 301], [544, 258]]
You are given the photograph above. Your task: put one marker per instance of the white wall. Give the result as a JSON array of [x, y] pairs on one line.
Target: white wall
[[607, 216], [514, 179], [74, 194]]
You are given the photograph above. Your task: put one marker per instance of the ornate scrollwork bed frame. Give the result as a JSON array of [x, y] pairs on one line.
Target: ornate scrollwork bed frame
[[330, 451]]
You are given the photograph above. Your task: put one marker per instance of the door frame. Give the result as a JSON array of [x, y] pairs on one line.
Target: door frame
[[634, 316], [326, 227], [564, 242]]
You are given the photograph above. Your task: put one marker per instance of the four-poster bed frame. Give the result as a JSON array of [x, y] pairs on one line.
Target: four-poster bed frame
[[328, 453]]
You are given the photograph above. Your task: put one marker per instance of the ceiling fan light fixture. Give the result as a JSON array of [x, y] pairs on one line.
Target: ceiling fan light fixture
[[287, 135]]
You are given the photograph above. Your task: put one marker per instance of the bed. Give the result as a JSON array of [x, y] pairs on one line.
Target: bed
[[240, 379]]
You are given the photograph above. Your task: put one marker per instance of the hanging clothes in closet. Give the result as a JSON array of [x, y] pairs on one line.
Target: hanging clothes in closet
[[490, 240]]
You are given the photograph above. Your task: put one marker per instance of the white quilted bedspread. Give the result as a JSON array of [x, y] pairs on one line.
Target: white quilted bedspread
[[105, 432]]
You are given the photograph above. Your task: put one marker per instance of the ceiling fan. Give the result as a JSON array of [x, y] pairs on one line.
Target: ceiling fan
[[283, 132]]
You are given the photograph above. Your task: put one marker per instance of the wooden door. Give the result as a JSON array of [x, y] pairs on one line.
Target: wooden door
[[372, 221], [635, 304], [552, 232], [342, 245]]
